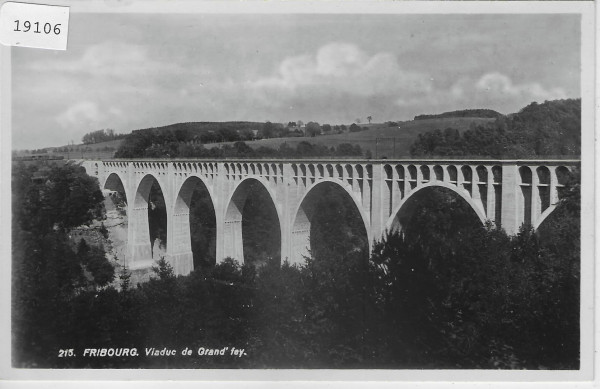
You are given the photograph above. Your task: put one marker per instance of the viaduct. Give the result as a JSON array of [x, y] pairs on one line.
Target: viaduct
[[506, 192]]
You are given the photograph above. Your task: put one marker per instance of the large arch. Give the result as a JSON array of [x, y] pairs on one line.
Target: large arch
[[139, 230], [302, 216], [390, 225], [181, 233], [233, 230]]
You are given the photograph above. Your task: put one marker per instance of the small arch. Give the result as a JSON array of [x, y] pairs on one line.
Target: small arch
[[452, 174], [359, 172], [438, 172], [349, 172], [329, 170], [563, 176], [388, 172], [425, 173], [525, 174], [467, 173], [543, 174], [340, 171], [482, 174], [412, 172], [400, 172], [321, 171], [497, 174]]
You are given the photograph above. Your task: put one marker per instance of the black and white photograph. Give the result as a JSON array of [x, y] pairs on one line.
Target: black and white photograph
[[388, 187]]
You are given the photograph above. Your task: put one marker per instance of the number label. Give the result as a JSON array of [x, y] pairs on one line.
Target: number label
[[34, 25], [64, 353], [48, 28]]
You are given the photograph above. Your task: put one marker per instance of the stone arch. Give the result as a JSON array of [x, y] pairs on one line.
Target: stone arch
[[301, 225], [114, 182], [233, 217], [139, 227], [390, 224], [181, 233]]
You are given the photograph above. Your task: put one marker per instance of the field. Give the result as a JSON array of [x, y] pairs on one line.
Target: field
[[380, 139]]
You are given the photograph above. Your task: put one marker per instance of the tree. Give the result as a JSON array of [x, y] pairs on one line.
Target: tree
[[369, 118], [313, 129]]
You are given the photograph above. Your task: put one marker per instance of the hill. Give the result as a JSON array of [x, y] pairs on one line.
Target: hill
[[379, 138], [471, 113], [550, 129]]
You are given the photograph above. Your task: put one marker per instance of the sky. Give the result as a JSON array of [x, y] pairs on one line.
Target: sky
[[132, 71]]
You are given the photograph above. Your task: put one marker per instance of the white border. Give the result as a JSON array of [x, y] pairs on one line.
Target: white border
[[587, 11]]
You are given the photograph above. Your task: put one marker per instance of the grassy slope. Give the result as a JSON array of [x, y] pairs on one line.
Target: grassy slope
[[404, 136]]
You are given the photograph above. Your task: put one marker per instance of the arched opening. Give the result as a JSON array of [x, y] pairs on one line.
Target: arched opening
[[467, 175], [425, 173], [525, 198], [543, 174], [115, 203], [157, 221], [115, 192], [328, 224], [412, 176], [438, 172], [452, 174], [482, 186], [149, 221], [252, 228], [563, 176], [433, 212], [195, 224]]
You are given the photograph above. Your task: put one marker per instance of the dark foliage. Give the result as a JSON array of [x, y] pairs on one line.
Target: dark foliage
[[444, 293], [549, 129], [464, 113]]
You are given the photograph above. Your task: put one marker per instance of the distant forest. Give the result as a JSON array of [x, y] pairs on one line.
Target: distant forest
[[552, 128], [463, 113]]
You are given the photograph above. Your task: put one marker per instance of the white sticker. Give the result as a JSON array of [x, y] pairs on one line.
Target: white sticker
[[34, 25]]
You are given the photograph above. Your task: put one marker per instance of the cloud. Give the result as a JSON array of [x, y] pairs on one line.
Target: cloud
[[501, 86], [84, 112], [342, 68], [110, 59], [492, 90], [87, 114]]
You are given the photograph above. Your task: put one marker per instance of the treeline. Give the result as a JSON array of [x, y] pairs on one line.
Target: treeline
[[463, 113], [101, 136], [549, 129], [146, 148], [446, 293]]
